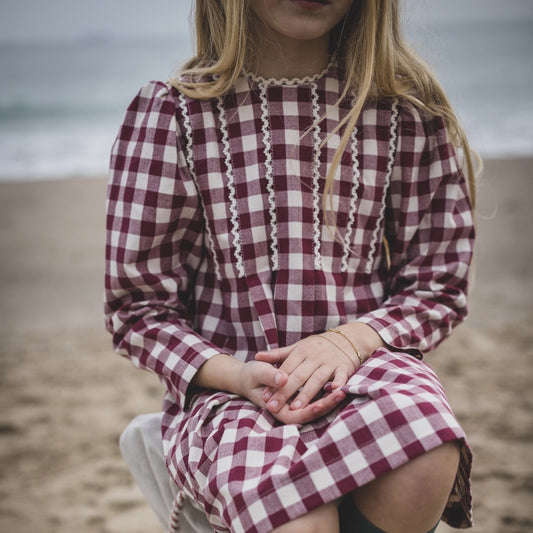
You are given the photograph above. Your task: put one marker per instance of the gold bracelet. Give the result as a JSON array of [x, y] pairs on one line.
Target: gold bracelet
[[357, 352], [337, 345]]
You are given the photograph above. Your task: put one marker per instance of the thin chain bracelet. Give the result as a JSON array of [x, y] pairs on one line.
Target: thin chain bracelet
[[338, 346], [357, 352]]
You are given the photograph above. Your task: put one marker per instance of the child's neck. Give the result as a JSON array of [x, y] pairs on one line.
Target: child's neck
[[292, 61]]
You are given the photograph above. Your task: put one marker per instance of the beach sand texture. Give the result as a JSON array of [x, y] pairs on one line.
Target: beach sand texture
[[65, 396]]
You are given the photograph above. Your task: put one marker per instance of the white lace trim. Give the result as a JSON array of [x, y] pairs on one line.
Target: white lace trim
[[306, 80], [269, 174], [390, 165], [190, 163], [235, 229], [317, 233], [353, 202]]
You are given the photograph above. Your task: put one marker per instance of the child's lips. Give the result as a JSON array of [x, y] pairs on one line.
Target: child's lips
[[311, 5]]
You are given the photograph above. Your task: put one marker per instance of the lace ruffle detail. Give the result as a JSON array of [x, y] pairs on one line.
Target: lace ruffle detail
[[235, 226], [189, 156], [390, 165], [306, 80], [353, 202], [317, 227], [269, 175]]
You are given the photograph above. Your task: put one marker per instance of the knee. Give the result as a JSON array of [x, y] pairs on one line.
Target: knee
[[412, 497], [428, 480], [431, 476], [431, 473]]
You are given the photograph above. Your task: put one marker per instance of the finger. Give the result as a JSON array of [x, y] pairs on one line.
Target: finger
[[312, 387], [327, 403], [340, 378], [312, 412], [277, 355], [269, 376], [267, 393], [296, 380]]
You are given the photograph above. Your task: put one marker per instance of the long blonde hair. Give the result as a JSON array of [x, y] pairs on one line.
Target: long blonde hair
[[369, 49]]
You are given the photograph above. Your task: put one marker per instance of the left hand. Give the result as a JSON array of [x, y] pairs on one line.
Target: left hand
[[309, 365]]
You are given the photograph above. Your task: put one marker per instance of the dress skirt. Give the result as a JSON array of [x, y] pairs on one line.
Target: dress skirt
[[251, 473]]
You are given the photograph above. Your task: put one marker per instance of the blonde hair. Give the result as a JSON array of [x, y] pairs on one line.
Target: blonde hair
[[369, 49]]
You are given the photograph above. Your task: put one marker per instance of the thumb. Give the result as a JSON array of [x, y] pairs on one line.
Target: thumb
[[271, 377]]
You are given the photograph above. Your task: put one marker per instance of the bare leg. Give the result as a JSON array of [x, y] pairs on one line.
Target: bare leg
[[411, 498], [320, 520]]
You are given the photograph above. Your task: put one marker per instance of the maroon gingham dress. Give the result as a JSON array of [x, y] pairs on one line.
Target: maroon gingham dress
[[217, 243]]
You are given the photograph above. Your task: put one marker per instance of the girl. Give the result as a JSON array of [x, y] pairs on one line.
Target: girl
[[288, 231]]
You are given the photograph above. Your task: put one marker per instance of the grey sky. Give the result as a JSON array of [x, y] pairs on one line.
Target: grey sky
[[59, 19], [23, 20]]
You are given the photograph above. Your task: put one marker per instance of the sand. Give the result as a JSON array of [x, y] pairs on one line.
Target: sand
[[65, 396]]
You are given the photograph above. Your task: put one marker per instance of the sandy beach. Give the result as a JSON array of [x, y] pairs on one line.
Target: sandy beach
[[65, 396]]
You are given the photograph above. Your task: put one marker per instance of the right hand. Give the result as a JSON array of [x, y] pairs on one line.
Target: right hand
[[257, 376]]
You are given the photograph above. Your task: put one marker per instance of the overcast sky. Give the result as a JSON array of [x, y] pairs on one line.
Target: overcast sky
[[23, 20]]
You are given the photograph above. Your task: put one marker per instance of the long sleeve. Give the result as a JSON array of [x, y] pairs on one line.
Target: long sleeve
[[430, 231], [154, 244]]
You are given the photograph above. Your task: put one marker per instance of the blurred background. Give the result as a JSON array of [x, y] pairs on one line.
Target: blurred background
[[68, 70]]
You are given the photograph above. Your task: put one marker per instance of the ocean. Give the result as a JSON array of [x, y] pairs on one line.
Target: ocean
[[61, 103], [62, 100]]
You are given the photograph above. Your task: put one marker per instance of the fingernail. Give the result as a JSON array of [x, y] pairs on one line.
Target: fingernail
[[277, 378], [297, 404], [273, 405], [267, 395]]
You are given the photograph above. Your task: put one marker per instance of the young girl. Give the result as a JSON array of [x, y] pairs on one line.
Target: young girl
[[288, 231]]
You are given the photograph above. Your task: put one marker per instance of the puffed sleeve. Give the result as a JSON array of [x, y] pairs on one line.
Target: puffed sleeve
[[154, 244], [430, 231]]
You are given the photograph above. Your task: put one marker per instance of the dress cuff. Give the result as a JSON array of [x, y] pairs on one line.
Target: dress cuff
[[391, 335]]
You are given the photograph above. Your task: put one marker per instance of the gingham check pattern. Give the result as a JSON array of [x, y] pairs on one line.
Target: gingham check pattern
[[252, 474], [190, 273]]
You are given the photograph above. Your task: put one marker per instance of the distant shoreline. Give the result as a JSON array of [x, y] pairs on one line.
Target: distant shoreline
[[103, 175]]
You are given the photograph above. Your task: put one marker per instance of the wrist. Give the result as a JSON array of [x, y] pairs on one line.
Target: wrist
[[355, 349], [222, 372], [361, 338]]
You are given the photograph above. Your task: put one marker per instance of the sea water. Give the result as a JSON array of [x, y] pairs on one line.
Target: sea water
[[62, 100]]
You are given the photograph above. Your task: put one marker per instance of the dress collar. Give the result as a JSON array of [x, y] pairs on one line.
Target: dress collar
[[306, 80]]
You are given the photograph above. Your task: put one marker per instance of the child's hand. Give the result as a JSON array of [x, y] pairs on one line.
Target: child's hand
[[255, 377], [308, 364], [312, 411]]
